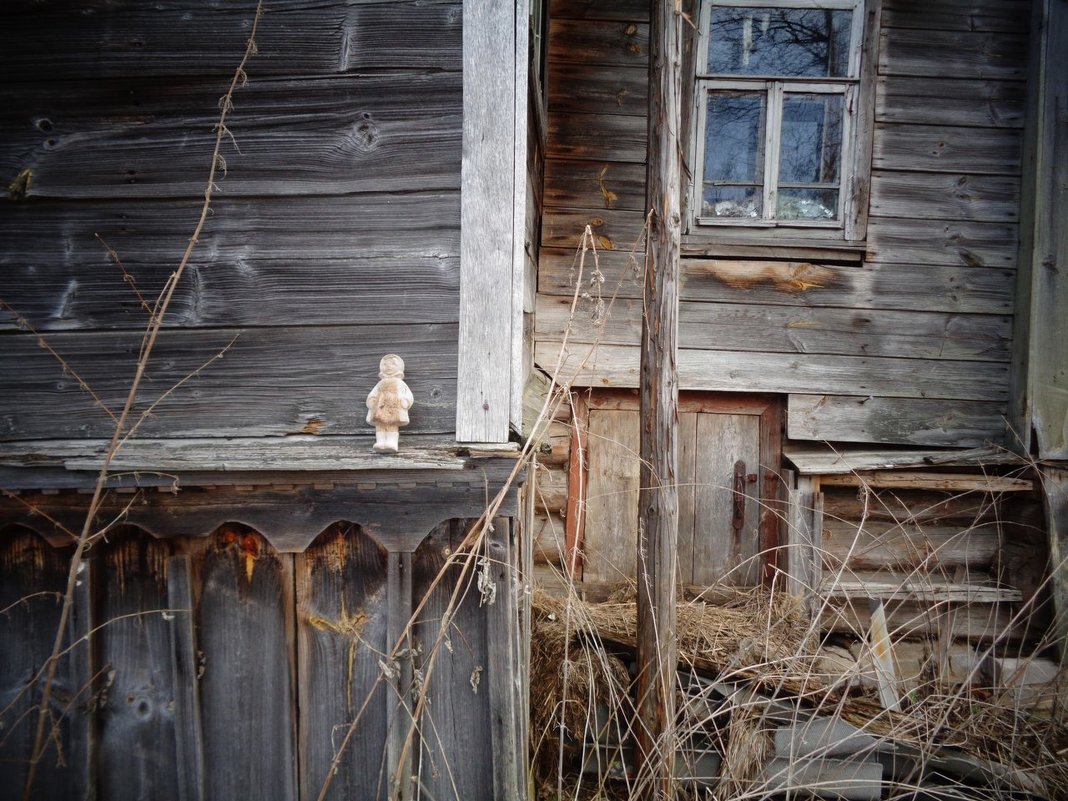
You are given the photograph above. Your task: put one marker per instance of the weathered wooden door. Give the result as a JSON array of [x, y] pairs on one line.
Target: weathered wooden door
[[727, 484]]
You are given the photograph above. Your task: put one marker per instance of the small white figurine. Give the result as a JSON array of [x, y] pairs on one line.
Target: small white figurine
[[388, 403]]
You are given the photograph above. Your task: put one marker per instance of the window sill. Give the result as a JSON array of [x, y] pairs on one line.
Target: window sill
[[771, 245]]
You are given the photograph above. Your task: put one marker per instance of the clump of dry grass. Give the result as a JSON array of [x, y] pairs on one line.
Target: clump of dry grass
[[757, 660]]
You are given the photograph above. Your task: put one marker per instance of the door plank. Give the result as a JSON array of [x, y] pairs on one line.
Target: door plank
[[612, 497], [687, 479], [722, 552]]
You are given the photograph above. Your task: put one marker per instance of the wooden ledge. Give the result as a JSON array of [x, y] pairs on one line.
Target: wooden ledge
[[815, 458], [301, 459]]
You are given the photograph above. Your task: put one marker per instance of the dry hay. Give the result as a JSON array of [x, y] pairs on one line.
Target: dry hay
[[567, 647], [763, 642]]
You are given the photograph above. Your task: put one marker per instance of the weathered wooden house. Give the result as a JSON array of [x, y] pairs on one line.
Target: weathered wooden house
[[872, 357], [871, 346]]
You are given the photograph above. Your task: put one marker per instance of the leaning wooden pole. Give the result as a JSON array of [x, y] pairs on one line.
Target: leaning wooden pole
[[658, 509]]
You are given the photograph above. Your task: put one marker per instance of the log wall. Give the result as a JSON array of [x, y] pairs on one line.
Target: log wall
[[333, 239], [904, 338]]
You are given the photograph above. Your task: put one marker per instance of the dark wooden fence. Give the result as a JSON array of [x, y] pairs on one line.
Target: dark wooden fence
[[220, 668]]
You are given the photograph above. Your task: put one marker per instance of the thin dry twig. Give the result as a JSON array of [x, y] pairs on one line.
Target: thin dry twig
[[25, 325], [126, 276]]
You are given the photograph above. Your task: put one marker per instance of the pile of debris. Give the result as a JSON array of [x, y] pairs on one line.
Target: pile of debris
[[763, 713]]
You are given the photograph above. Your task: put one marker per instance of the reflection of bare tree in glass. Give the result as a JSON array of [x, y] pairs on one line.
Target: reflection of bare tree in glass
[[787, 42], [734, 153], [775, 43]]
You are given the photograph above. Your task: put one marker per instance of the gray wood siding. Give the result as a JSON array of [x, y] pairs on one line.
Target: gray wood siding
[[920, 326], [334, 237]]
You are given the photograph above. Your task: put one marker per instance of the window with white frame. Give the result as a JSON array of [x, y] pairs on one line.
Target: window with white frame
[[776, 98]]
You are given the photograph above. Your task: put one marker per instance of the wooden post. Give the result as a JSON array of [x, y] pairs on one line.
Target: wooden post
[[658, 511]]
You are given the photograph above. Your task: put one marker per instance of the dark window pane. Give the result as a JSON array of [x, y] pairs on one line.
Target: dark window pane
[[807, 204], [742, 202], [780, 41], [811, 150], [734, 137]]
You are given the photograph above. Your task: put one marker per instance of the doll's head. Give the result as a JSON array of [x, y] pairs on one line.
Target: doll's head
[[391, 366]]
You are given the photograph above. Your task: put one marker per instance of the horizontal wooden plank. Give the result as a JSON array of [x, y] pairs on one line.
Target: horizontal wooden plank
[[637, 10], [972, 244], [889, 586], [272, 381], [936, 148], [821, 459], [962, 54], [613, 229], [904, 421], [238, 230], [186, 37], [595, 89], [151, 139], [950, 101], [594, 185], [945, 196], [734, 371], [929, 287], [1005, 16], [962, 482], [926, 621], [880, 545], [919, 506], [783, 329], [56, 296], [597, 137], [610, 44]]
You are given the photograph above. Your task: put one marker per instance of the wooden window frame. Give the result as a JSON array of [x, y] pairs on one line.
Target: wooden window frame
[[850, 229]]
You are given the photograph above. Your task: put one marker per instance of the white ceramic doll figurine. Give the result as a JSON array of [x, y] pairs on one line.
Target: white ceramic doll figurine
[[388, 404]]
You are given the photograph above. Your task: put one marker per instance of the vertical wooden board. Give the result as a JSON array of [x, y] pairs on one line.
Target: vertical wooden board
[[32, 579], [720, 551], [137, 756], [455, 757], [189, 734], [341, 634], [245, 619], [687, 478], [611, 540], [1055, 495], [505, 679], [1048, 345], [488, 183]]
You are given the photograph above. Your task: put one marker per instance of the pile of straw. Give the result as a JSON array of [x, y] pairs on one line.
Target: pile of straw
[[581, 691]]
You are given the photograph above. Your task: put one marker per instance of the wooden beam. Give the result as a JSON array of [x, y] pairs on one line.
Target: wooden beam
[[1055, 492], [658, 510], [520, 147], [484, 406], [938, 481], [1040, 386]]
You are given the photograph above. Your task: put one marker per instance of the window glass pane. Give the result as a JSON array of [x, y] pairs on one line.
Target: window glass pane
[[734, 137], [732, 201], [811, 148], [807, 204], [796, 42]]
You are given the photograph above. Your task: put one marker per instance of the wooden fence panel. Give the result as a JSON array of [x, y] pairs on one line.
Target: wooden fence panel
[[136, 721], [247, 697], [341, 636], [32, 577], [454, 760]]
